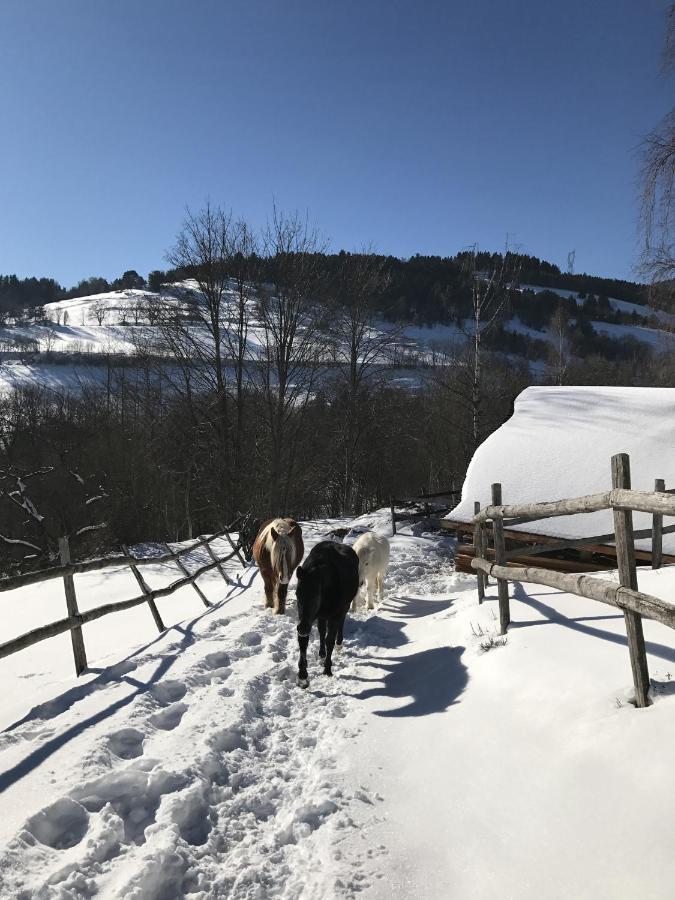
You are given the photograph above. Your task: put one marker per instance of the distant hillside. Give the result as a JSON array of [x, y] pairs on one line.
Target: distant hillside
[[49, 333]]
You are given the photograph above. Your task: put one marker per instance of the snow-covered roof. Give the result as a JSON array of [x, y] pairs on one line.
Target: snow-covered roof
[[558, 444]]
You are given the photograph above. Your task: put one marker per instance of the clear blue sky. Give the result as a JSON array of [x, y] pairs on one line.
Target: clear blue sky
[[416, 126]]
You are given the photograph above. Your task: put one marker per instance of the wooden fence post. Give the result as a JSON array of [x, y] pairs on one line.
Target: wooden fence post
[[500, 559], [214, 559], [478, 549], [145, 588], [393, 516], [236, 548], [625, 553], [200, 593], [79, 653], [657, 530]]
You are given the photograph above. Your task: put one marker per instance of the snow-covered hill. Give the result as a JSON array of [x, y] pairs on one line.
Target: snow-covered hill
[[99, 326], [436, 763]]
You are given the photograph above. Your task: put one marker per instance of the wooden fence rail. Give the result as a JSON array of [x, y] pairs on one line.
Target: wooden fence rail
[[12, 582], [625, 595], [76, 619]]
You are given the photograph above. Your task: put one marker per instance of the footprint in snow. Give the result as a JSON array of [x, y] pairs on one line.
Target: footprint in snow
[[169, 691], [228, 740], [127, 743], [61, 825], [217, 660], [169, 718]]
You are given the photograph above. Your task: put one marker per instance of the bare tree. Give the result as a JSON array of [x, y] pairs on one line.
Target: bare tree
[[559, 333], [490, 293], [658, 182], [243, 256], [291, 319], [361, 349], [100, 311], [49, 339]]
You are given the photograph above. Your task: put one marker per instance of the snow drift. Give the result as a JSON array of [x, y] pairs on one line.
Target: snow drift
[[559, 443]]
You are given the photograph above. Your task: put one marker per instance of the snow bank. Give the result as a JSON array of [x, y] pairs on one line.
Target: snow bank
[[559, 443]]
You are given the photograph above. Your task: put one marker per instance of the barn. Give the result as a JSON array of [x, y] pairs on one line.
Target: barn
[[558, 444]]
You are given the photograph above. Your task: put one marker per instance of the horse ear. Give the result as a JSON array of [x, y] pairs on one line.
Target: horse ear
[[299, 572], [292, 528], [274, 533]]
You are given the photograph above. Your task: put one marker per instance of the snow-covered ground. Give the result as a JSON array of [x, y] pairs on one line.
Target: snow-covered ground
[[190, 764], [659, 341], [620, 305]]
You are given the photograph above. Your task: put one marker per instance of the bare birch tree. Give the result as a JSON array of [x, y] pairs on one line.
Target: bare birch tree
[[658, 182], [490, 293]]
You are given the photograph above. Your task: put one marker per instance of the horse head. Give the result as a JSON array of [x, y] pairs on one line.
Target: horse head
[[282, 548]]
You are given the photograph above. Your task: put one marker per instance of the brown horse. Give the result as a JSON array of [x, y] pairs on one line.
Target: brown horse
[[277, 551]]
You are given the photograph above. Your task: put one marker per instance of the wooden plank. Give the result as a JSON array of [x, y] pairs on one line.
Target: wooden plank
[[449, 493], [547, 510], [146, 590], [618, 498], [79, 653], [657, 529], [12, 582], [642, 501], [500, 552], [463, 563], [478, 541], [588, 586], [625, 551]]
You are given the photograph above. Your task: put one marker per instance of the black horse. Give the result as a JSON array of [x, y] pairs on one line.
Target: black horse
[[328, 581]]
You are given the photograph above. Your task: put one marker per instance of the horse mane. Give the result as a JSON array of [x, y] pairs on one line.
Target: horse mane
[[282, 548]]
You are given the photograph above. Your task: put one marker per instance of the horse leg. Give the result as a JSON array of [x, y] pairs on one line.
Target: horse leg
[[304, 629], [380, 586], [371, 593], [321, 625], [338, 642], [280, 608], [269, 591], [330, 643]]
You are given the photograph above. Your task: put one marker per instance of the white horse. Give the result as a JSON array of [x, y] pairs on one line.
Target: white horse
[[373, 553]]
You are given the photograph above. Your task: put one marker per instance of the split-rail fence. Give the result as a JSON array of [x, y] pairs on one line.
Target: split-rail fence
[[76, 619], [625, 595]]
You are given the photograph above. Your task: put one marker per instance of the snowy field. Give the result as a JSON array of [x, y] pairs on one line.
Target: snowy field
[[190, 765], [116, 323]]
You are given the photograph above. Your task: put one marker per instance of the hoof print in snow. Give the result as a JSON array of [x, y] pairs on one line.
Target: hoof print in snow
[[168, 691], [61, 825], [217, 660], [169, 718], [228, 740], [127, 743]]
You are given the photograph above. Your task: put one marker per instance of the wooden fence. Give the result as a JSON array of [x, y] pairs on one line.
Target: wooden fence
[[76, 619], [625, 595], [420, 506]]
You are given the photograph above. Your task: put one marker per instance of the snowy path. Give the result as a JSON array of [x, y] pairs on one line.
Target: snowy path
[[426, 767]]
